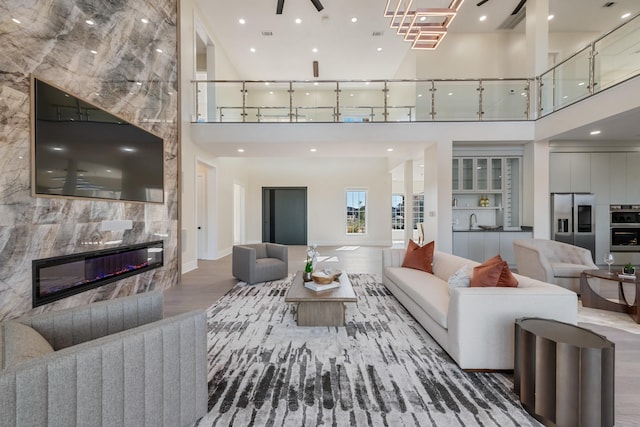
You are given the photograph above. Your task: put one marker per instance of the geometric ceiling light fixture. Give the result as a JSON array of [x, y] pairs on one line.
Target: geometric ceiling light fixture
[[424, 28], [280, 6]]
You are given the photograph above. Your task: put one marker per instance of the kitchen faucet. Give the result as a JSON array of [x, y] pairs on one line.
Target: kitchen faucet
[[473, 220]]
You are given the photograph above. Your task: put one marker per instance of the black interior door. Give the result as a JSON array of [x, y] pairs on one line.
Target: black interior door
[[284, 215]]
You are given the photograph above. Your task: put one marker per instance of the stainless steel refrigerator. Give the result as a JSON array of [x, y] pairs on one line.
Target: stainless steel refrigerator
[[573, 217]]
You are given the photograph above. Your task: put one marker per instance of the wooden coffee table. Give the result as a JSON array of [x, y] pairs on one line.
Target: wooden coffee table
[[320, 308], [592, 299]]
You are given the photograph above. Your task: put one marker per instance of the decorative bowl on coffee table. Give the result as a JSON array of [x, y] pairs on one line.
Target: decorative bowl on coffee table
[[325, 276]]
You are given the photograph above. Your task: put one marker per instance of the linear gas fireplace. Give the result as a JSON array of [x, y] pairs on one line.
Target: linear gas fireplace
[[63, 276]]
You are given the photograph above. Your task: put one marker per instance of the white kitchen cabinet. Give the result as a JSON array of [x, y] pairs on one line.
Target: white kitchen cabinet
[[618, 178], [560, 172], [461, 244], [580, 172], [570, 172], [633, 177], [477, 174], [600, 171], [481, 245]]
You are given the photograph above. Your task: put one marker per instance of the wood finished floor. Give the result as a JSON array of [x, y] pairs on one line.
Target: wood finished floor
[[200, 288]]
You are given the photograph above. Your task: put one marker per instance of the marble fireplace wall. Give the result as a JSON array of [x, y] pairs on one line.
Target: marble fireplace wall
[[104, 53]]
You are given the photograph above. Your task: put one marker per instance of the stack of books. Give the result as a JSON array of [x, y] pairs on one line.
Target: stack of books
[[319, 287]]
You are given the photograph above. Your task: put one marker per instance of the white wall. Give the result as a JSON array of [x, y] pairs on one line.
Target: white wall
[[227, 172], [327, 181]]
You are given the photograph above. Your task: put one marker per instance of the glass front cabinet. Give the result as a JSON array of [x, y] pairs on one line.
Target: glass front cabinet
[[477, 174]]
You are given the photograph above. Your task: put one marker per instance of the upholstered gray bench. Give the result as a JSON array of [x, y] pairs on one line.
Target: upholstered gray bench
[[116, 362]]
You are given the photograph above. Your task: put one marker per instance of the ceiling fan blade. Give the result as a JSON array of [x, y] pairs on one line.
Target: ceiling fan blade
[[279, 7], [518, 7], [481, 2], [317, 4]]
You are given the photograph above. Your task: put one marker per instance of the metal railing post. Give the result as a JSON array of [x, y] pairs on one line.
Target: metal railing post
[[290, 101], [592, 69], [385, 111], [244, 101], [480, 89], [337, 114], [433, 100]]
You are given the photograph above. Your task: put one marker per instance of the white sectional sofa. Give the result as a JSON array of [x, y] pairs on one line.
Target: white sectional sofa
[[475, 325]]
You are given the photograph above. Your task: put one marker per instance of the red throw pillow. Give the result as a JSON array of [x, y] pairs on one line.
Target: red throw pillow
[[493, 272], [419, 257]]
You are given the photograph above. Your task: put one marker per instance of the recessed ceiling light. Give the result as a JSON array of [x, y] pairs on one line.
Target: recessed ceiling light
[[109, 171], [266, 83], [307, 93], [242, 21], [483, 18], [314, 50], [159, 50], [581, 84], [419, 95], [450, 93], [240, 150], [17, 21], [252, 50], [421, 166], [379, 49], [550, 17], [95, 52], [313, 150], [423, 18], [354, 20], [90, 22], [128, 149], [626, 15], [367, 83], [595, 132], [315, 83], [270, 92], [350, 94], [298, 21], [565, 97], [389, 149], [144, 20], [57, 148]]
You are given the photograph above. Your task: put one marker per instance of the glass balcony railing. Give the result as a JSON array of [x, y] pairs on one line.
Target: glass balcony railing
[[362, 101], [606, 62], [611, 59]]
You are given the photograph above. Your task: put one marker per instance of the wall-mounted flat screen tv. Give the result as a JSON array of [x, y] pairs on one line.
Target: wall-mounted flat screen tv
[[82, 151]]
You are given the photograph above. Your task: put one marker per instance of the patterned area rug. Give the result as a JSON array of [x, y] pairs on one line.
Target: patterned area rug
[[382, 369]]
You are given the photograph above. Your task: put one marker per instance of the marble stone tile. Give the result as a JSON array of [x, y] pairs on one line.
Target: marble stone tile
[[128, 77]]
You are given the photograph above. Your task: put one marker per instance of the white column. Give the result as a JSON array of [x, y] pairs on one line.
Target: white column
[[541, 199], [537, 36], [537, 41], [408, 201], [212, 112], [437, 195]]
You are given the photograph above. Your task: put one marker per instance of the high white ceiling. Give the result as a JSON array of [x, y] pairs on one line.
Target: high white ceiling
[[348, 50]]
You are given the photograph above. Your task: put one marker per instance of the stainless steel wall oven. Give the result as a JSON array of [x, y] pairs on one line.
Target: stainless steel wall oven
[[625, 228]]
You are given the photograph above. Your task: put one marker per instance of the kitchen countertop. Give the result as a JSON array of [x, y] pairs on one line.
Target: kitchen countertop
[[497, 230]]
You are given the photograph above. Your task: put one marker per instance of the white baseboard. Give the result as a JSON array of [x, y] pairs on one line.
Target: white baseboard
[[189, 266]]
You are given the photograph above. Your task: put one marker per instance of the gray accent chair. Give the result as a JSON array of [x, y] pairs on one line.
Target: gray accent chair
[[552, 262], [115, 362], [260, 262]]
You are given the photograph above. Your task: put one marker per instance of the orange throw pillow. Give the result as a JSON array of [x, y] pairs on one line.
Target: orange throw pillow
[[493, 272], [419, 257]]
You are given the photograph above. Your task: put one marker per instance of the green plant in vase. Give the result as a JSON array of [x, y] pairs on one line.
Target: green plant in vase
[[629, 268], [312, 257]]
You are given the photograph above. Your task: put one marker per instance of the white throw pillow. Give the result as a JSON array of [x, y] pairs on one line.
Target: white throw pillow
[[461, 278]]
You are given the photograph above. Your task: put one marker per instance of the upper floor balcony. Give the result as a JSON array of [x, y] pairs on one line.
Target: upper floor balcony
[[606, 62]]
